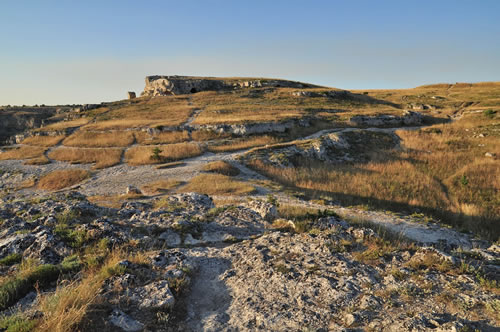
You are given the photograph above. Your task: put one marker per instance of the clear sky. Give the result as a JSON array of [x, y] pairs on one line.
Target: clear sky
[[57, 52]]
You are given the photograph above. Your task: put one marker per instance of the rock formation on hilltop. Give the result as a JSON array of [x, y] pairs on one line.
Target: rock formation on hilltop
[[178, 85]]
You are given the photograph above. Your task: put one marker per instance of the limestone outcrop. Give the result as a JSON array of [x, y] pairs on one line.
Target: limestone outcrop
[[178, 85]]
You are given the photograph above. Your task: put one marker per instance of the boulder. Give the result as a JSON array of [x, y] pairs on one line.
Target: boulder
[[156, 295], [125, 322], [131, 95], [267, 211], [131, 190]]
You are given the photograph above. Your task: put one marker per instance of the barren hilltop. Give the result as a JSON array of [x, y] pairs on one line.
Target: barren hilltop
[[244, 204]]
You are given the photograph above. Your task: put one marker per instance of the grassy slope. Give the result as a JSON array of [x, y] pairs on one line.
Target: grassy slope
[[442, 170]]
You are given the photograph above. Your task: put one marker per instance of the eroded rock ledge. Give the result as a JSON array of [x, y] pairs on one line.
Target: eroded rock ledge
[[160, 85]]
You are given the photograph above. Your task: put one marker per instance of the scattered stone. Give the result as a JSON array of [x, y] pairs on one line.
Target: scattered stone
[[131, 190], [267, 211], [155, 295], [125, 322]]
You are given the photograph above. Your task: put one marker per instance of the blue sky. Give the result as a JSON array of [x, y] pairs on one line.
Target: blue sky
[[57, 52]]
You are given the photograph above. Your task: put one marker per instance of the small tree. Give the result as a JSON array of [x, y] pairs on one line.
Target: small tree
[[155, 154]]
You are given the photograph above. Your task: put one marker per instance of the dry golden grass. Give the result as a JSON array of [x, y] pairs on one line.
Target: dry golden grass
[[142, 155], [217, 184], [148, 112], [65, 124], [161, 186], [167, 137], [113, 201], [101, 157], [62, 179], [65, 309], [42, 160], [221, 167], [28, 183], [23, 152], [43, 140], [243, 143], [449, 98], [87, 139], [170, 165], [264, 105], [442, 170]]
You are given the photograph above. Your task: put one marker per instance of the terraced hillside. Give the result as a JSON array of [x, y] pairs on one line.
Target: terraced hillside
[[375, 209]]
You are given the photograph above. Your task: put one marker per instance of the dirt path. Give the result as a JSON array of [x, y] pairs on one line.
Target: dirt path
[[208, 297], [114, 180]]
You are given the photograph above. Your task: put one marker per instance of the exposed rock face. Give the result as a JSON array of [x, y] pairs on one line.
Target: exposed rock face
[[408, 118], [339, 147], [178, 85], [229, 270], [16, 120]]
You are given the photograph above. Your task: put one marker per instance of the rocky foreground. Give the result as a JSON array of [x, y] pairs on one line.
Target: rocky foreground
[[194, 267]]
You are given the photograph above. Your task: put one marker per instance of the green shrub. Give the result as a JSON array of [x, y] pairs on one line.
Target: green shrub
[[15, 288], [155, 154], [16, 323], [489, 113], [11, 259], [74, 238]]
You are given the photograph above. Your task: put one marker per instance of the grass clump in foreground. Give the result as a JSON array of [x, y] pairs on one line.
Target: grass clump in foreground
[[143, 155], [11, 259], [217, 184], [17, 323], [221, 167], [16, 287], [101, 157], [62, 178]]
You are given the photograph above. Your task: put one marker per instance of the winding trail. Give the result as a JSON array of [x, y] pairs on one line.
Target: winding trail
[[115, 179]]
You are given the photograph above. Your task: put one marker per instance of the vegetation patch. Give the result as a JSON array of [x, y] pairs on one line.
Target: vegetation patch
[[16, 287], [243, 143], [161, 186], [23, 152], [42, 160], [11, 259], [62, 179], [221, 167], [167, 137], [43, 140], [101, 157], [89, 139], [217, 184], [144, 155], [113, 201]]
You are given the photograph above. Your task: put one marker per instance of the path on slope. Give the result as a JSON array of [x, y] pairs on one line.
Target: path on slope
[[115, 179]]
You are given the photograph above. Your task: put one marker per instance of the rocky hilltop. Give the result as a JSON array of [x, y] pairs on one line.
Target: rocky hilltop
[[14, 120], [160, 85], [264, 205]]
